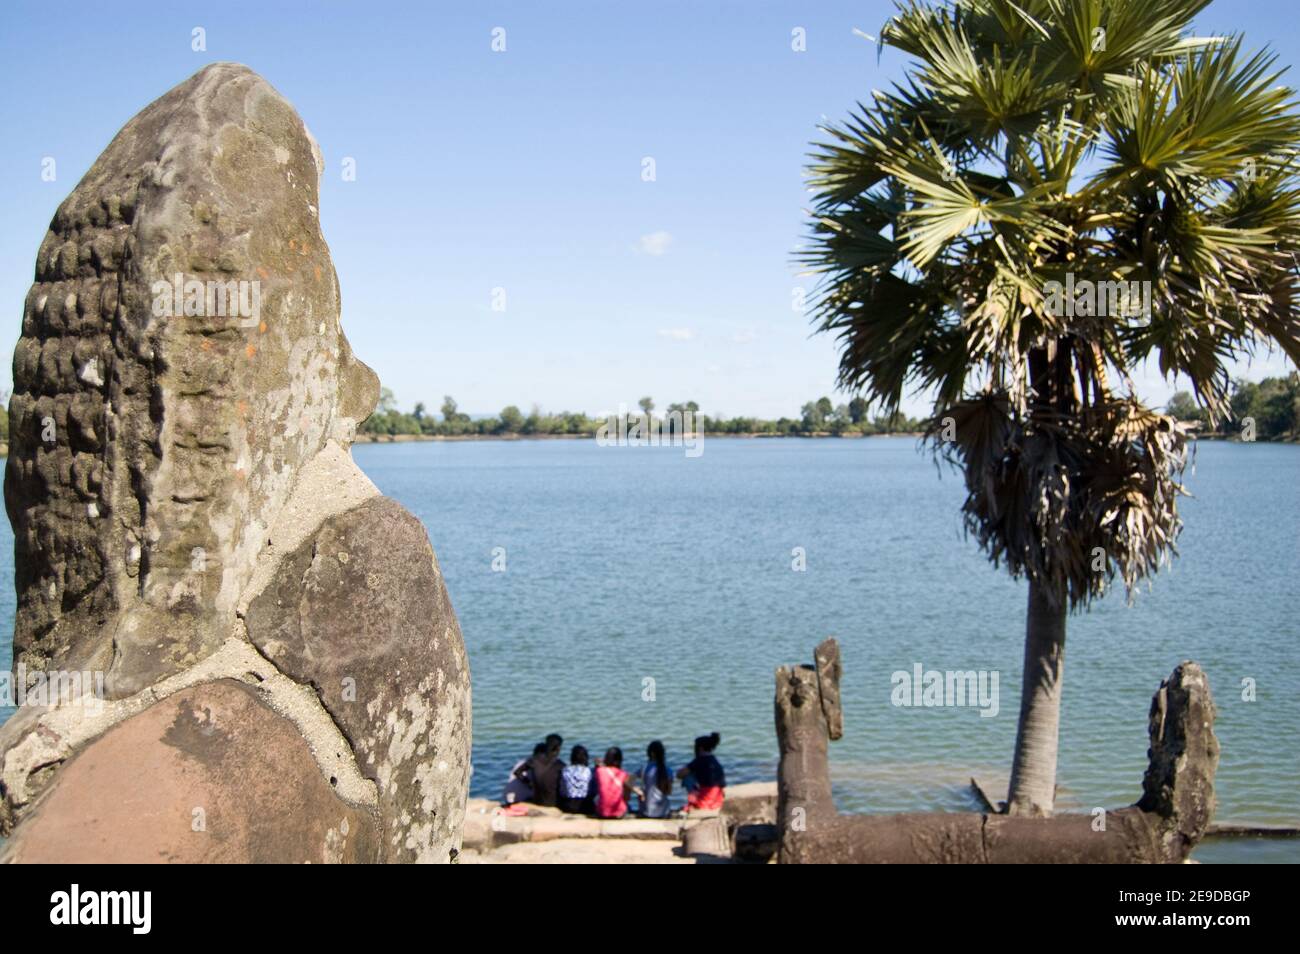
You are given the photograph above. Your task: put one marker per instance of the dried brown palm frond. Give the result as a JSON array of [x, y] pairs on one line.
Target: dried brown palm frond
[[1073, 501]]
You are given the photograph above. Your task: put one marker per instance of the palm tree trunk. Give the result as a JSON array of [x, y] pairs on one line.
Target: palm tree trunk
[[1033, 771]]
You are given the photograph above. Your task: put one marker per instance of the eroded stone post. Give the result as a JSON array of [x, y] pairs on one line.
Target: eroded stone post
[[1163, 827]]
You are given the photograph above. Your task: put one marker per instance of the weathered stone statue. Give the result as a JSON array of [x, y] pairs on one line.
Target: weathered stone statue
[[284, 678], [1173, 814]]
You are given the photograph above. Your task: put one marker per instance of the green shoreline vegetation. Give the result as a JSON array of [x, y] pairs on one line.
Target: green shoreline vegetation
[[1272, 403], [817, 418]]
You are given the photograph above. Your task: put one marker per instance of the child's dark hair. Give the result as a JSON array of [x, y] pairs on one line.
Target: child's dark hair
[[705, 744], [539, 748], [655, 753], [614, 757], [579, 755], [553, 743]]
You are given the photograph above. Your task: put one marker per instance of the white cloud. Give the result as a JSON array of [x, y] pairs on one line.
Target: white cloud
[[677, 334], [743, 337], [656, 243]]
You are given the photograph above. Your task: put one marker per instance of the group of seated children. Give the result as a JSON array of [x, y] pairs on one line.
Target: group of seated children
[[602, 790]]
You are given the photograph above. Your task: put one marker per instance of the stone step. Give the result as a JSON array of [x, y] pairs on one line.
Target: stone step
[[486, 828]]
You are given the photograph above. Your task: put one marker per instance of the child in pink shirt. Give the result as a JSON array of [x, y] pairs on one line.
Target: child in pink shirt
[[612, 785]]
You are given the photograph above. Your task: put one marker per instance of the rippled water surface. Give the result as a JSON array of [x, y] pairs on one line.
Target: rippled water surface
[[624, 565]]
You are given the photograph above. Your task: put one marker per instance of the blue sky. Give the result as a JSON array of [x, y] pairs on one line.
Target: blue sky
[[519, 170]]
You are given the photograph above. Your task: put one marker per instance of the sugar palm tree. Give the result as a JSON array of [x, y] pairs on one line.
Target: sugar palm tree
[[972, 226]]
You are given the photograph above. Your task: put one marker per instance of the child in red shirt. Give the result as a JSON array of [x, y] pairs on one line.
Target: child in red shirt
[[612, 785]]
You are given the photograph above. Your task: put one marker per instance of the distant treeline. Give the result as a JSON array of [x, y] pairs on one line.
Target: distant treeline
[[816, 417], [1273, 404]]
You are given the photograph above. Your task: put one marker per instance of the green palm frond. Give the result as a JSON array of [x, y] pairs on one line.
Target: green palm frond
[[946, 207]]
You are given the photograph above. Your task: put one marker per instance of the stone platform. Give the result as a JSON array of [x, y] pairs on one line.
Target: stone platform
[[549, 836]]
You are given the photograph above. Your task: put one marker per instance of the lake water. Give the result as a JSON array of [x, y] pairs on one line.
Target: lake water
[[623, 565]]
